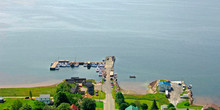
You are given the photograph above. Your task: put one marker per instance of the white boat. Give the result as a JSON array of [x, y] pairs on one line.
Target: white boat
[[97, 69], [85, 65], [100, 74], [76, 65]]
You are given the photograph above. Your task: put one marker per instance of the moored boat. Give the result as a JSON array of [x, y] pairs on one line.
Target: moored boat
[[132, 76]]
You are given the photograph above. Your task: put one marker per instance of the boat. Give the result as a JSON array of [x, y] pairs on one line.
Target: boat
[[132, 76], [97, 69], [57, 68], [94, 65], [85, 65], [101, 65], [76, 65], [100, 74]]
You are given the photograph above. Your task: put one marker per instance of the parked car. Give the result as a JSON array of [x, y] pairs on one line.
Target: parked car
[[26, 97]]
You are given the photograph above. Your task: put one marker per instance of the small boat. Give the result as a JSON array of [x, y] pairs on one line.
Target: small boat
[[100, 74], [76, 65], [57, 68], [132, 76], [85, 65], [97, 70], [101, 65], [94, 65]]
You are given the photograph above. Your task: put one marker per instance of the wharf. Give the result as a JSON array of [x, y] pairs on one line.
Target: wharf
[[54, 65]]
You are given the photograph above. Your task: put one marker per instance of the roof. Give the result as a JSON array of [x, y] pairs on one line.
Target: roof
[[165, 83], [211, 105], [131, 107], [74, 107], [44, 96]]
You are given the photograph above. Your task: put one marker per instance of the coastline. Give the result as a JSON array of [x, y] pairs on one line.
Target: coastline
[[41, 84]]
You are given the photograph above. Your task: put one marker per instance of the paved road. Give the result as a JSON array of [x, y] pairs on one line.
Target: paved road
[[175, 94], [109, 103]]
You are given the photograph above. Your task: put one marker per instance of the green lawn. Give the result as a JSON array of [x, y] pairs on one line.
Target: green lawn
[[25, 91], [159, 97], [116, 106], [149, 103], [9, 102], [101, 95], [113, 91], [181, 105], [99, 105]]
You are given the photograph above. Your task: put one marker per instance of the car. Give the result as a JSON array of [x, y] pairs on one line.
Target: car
[[97, 94], [26, 98]]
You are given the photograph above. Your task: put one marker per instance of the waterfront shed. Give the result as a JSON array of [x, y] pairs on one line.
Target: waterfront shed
[[163, 86]]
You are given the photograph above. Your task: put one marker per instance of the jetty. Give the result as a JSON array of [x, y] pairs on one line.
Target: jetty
[[56, 64]]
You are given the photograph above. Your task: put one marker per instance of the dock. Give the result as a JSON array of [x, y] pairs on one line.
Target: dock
[[55, 65]]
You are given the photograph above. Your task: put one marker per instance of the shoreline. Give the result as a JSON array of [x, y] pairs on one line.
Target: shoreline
[[41, 84], [199, 100]]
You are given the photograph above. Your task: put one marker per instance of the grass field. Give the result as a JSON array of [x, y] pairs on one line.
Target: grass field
[[99, 105], [16, 92], [149, 103], [181, 105], [10, 101], [113, 91], [159, 97], [101, 95]]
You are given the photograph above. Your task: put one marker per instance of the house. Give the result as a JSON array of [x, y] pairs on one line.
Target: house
[[74, 80], [163, 107], [2, 100], [74, 107], [163, 86], [131, 107], [90, 89], [85, 83], [206, 107], [74, 89], [45, 98]]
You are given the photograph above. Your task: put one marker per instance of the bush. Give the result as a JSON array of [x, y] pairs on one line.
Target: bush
[[187, 104], [88, 104], [123, 106], [64, 106], [144, 106], [17, 104], [170, 105], [172, 108]]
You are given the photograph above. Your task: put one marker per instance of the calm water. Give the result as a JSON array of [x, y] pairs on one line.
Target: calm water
[[163, 39]]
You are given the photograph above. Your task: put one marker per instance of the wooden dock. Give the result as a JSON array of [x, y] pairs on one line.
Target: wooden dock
[[55, 63]]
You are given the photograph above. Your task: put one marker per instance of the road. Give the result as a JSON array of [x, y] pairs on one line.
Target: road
[[109, 102], [175, 94]]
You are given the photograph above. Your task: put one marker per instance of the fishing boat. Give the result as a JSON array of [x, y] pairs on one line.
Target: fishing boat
[[97, 69], [94, 65], [132, 76], [101, 65], [76, 65], [85, 65], [100, 74]]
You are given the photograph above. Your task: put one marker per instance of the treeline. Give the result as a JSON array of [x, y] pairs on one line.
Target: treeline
[[63, 99]]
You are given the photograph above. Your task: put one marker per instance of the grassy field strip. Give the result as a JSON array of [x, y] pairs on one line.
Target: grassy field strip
[[181, 105], [9, 102], [101, 95], [99, 105], [36, 91]]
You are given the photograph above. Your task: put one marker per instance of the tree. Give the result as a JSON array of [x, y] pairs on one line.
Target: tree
[[17, 104], [144, 106], [30, 93], [154, 106], [64, 87], [170, 105], [119, 98], [211, 108], [133, 104], [137, 103], [88, 104], [59, 98], [64, 106], [26, 107], [172, 108], [187, 104], [38, 105], [46, 107], [123, 106]]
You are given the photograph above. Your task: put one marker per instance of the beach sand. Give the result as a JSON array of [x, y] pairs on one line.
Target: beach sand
[[41, 84]]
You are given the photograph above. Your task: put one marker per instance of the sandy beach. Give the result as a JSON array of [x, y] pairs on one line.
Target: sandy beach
[[41, 84]]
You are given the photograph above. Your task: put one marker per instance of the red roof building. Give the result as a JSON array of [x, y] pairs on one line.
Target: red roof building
[[74, 107]]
